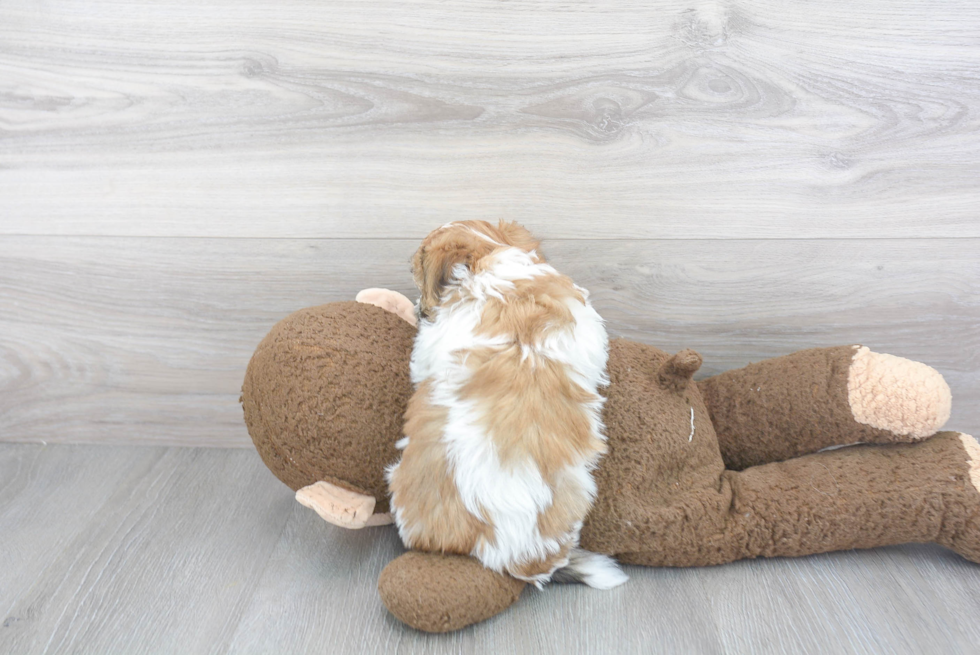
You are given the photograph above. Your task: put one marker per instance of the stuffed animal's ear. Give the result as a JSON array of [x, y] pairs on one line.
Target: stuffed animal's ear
[[676, 373], [390, 301], [342, 507]]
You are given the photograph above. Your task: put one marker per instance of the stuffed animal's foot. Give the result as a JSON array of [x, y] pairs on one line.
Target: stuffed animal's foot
[[961, 526], [898, 395], [390, 301], [438, 593]]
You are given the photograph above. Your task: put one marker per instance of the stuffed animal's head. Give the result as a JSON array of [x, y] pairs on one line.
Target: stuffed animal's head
[[324, 399]]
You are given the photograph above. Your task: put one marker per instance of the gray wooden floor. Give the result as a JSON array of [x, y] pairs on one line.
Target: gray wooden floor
[[112, 549]]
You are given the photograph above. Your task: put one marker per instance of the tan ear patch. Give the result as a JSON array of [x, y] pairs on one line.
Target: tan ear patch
[[896, 394], [390, 301], [344, 508]]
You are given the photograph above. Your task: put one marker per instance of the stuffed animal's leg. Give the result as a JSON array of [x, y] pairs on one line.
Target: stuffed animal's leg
[[789, 406], [861, 497], [438, 593]]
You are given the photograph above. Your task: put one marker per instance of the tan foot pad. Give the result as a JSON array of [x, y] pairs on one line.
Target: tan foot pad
[[344, 508], [895, 394]]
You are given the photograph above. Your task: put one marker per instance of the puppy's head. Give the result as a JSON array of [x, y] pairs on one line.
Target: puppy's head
[[466, 244]]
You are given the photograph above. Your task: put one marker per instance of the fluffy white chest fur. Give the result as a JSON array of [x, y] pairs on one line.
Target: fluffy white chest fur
[[505, 426]]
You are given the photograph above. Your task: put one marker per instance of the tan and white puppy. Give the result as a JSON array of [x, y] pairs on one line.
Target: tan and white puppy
[[505, 427]]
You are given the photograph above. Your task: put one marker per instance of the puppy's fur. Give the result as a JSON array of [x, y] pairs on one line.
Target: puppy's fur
[[504, 428]]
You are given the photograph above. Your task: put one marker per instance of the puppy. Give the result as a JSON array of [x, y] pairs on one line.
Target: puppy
[[504, 428]]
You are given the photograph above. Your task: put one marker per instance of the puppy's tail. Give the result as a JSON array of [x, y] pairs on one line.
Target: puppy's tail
[[597, 571]]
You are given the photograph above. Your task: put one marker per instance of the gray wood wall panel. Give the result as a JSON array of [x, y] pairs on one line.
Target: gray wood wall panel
[[123, 340], [172, 550], [669, 119], [837, 130]]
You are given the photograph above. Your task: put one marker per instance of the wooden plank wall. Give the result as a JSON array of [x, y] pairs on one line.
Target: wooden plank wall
[[744, 178]]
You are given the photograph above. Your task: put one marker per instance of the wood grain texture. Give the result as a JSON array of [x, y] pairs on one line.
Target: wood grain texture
[[744, 178], [47, 497], [666, 119], [149, 550], [166, 562], [121, 340], [830, 603]]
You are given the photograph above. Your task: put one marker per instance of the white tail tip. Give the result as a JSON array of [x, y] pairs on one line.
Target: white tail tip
[[597, 571]]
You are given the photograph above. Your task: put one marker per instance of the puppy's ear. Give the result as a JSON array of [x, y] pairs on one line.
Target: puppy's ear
[[433, 270], [517, 235]]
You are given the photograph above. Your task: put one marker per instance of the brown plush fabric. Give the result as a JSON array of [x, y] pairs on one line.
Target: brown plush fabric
[[859, 497], [785, 407], [325, 393], [439, 593], [656, 476]]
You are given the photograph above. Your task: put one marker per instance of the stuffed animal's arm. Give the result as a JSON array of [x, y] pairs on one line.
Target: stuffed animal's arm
[[814, 399], [389, 300], [438, 593]]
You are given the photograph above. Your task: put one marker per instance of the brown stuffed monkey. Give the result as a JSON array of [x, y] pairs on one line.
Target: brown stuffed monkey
[[744, 464]]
